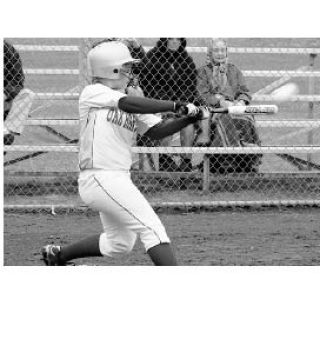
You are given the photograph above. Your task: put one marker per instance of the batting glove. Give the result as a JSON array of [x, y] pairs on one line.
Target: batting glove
[[183, 108], [201, 113]]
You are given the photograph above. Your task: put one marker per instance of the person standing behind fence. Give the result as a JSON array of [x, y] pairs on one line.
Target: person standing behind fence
[[169, 73], [17, 99], [13, 83], [221, 84]]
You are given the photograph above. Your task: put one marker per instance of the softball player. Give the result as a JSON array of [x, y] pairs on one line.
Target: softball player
[[109, 121]]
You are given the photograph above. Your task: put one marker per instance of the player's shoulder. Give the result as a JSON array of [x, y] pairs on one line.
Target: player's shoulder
[[95, 88]]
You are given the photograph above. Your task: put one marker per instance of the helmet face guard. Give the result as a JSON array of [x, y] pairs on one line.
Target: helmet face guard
[[126, 70], [110, 60]]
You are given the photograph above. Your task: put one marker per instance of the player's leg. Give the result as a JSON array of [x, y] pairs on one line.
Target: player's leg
[[125, 213], [162, 255], [109, 243], [119, 237], [128, 215], [115, 239], [56, 255]]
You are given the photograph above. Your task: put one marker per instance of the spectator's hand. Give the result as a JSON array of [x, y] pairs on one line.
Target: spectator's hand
[[215, 100], [239, 103], [226, 103]]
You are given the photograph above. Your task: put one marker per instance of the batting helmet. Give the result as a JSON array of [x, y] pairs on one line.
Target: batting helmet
[[106, 59]]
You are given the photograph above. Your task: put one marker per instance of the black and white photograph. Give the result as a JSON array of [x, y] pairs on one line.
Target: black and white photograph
[[164, 157], [165, 151]]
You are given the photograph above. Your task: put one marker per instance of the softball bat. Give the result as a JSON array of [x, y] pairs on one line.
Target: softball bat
[[250, 109]]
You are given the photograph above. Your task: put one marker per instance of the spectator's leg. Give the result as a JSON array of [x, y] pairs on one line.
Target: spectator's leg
[[187, 138], [166, 163], [205, 131]]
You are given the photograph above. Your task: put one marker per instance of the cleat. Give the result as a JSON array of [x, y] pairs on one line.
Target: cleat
[[51, 255]]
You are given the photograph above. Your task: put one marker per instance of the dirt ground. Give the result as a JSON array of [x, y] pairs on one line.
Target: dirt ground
[[270, 237]]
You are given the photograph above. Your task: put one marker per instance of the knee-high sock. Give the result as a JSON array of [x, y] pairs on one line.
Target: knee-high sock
[[162, 255], [88, 247]]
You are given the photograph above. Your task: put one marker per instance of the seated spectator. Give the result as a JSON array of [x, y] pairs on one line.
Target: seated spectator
[[169, 73], [221, 84]]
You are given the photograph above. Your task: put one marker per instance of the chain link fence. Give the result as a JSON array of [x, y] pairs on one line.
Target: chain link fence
[[245, 160]]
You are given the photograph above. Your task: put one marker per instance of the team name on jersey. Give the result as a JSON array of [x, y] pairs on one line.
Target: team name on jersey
[[120, 118]]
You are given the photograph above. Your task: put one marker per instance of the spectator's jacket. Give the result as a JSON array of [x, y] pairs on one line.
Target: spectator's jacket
[[235, 88], [168, 75], [13, 72]]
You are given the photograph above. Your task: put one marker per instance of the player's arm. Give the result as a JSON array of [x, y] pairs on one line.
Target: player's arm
[[142, 105], [169, 127]]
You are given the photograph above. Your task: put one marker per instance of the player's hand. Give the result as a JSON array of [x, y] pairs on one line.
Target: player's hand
[[180, 108], [200, 113], [183, 108], [203, 113], [189, 109]]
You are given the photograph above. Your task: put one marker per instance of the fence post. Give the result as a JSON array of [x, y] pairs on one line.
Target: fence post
[[206, 174], [312, 57]]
